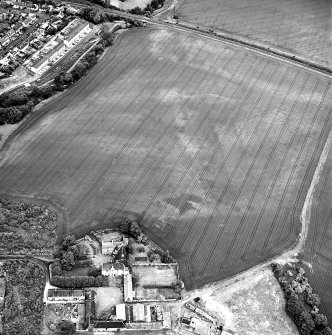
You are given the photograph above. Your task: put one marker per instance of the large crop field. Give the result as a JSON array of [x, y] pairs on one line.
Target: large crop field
[[318, 248], [300, 26], [211, 147]]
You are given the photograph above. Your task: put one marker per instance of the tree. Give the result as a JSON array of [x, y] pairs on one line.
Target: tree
[[94, 272], [312, 299], [135, 230], [305, 323], [68, 241], [78, 71], [140, 249], [67, 260], [56, 269], [125, 226], [166, 258], [320, 320], [66, 327]]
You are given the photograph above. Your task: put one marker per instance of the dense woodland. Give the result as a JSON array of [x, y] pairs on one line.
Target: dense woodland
[[26, 228], [302, 305], [23, 309]]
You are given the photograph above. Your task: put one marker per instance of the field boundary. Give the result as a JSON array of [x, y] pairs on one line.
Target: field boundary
[[268, 50]]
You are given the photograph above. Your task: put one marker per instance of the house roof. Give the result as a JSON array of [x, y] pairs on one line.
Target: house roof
[[138, 312], [90, 310], [75, 31], [116, 266], [120, 311], [108, 324]]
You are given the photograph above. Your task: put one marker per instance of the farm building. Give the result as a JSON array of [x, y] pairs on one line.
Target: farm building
[[201, 327], [107, 325], [90, 307], [141, 313], [66, 295], [128, 287], [120, 312]]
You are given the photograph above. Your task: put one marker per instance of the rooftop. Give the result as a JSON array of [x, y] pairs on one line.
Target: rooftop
[[116, 266]]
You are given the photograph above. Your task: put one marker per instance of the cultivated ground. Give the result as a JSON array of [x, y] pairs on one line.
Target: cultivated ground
[[300, 26], [318, 247], [211, 148]]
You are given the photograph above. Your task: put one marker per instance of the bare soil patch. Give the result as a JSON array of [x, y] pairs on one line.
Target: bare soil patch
[[107, 298]]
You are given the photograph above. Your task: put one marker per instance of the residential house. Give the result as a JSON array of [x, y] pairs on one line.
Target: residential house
[[76, 33], [27, 22], [114, 269], [4, 41], [10, 33], [112, 243], [56, 52], [40, 65]]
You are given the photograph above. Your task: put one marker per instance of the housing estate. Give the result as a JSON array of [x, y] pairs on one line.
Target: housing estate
[[59, 45]]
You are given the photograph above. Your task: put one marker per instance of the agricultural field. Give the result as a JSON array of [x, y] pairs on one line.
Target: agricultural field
[[302, 27], [210, 147], [318, 248]]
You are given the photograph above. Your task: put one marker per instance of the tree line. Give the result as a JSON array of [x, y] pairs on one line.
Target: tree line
[[79, 281], [301, 303]]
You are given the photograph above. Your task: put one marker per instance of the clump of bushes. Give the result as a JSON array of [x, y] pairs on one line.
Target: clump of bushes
[[26, 228], [301, 303]]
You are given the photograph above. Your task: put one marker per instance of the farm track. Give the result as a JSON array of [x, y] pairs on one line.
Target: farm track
[[170, 116], [317, 250]]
